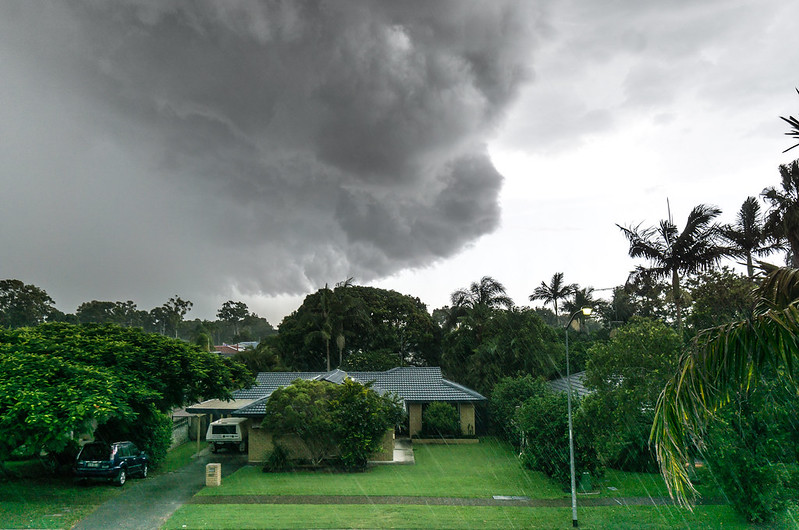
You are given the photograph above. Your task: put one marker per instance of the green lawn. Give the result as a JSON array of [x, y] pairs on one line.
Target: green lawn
[[178, 457], [245, 516], [476, 470], [39, 500], [469, 471]]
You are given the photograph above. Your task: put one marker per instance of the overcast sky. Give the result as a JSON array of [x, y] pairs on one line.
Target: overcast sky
[[257, 150]]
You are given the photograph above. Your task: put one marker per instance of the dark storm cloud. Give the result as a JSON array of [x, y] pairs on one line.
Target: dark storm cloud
[[270, 145]]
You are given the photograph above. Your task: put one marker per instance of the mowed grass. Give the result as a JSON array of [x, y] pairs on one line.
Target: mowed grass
[[39, 500], [468, 471], [475, 470], [249, 516]]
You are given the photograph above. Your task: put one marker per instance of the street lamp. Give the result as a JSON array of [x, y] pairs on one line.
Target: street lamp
[[585, 311]]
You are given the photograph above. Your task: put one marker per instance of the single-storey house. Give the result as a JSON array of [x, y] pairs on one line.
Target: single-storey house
[[415, 386]]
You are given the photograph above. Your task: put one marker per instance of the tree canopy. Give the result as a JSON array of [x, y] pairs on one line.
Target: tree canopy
[[23, 305], [60, 380], [367, 319]]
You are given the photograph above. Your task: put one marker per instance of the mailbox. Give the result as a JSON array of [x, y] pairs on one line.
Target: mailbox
[[213, 474]]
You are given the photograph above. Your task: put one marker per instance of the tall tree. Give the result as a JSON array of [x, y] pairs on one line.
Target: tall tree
[[99, 312], [233, 313], [723, 361], [556, 290], [323, 322], [372, 320], [673, 253], [96, 312], [747, 237], [174, 311], [782, 219], [23, 305]]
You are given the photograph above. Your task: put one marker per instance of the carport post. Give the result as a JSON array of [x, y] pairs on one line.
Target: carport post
[[199, 421]]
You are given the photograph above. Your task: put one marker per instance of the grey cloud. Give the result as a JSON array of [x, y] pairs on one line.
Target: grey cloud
[[272, 146], [606, 61]]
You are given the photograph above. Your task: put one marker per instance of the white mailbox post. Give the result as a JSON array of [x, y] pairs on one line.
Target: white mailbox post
[[213, 474]]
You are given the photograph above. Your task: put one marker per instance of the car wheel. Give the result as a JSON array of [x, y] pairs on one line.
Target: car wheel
[[121, 478], [144, 471], [242, 446]]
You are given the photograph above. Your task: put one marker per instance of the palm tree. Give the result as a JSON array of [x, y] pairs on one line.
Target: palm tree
[[478, 301], [323, 322], [556, 290], [782, 219], [747, 237], [487, 293], [582, 298], [724, 360], [673, 253], [794, 132]]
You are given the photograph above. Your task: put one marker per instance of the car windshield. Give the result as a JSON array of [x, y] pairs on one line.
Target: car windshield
[[95, 452]]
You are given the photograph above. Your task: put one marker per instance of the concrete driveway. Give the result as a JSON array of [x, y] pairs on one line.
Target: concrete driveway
[[148, 503]]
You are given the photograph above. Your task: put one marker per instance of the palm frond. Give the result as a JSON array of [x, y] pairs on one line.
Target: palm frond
[[724, 360]]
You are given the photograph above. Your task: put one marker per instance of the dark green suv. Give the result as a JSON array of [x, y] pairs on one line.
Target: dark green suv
[[114, 462]]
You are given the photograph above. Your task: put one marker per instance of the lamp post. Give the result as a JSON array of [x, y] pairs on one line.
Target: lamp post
[[585, 311]]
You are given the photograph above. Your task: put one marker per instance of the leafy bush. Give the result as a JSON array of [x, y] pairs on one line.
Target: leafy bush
[[362, 418], [508, 394], [303, 409], [543, 422], [441, 419], [348, 419], [277, 460], [627, 374], [151, 432], [752, 448]]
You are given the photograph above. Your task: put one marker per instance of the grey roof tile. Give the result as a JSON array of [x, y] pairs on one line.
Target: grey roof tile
[[562, 385], [410, 383]]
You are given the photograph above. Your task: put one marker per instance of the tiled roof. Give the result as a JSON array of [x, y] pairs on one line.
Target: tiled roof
[[257, 408], [411, 384], [268, 382], [562, 385]]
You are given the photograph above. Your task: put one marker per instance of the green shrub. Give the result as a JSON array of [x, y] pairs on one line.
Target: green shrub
[[627, 374], [348, 419], [441, 419], [508, 394], [751, 450], [277, 460], [152, 433], [362, 418], [543, 422]]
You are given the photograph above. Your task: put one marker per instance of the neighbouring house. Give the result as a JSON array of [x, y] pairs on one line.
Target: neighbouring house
[[229, 350], [415, 386], [577, 384]]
